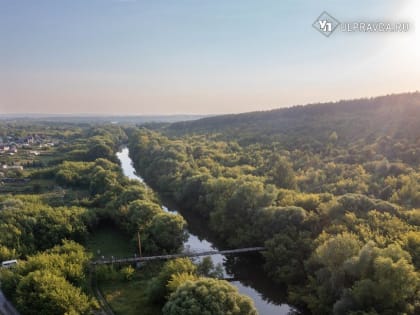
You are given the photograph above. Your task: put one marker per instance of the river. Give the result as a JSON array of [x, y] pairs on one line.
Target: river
[[244, 269]]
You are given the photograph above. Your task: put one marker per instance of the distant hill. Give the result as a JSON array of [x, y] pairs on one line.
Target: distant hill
[[397, 116], [101, 119]]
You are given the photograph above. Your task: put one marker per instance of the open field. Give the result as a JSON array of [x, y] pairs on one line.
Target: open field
[[108, 241], [129, 297]]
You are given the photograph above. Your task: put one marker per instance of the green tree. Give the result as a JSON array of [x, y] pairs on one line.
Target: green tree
[[42, 292], [396, 285], [285, 256], [165, 234], [336, 250], [283, 174], [127, 273], [208, 297], [412, 245], [7, 253], [158, 289], [178, 279], [139, 215], [99, 150]]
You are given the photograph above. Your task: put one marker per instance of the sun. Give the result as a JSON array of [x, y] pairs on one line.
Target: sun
[[406, 46]]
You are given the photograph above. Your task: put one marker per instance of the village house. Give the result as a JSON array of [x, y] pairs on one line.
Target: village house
[[4, 148]]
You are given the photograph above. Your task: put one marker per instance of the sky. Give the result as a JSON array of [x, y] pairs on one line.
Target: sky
[[152, 57]]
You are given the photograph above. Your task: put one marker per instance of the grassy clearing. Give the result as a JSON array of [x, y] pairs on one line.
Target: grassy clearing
[[129, 297], [109, 241], [124, 297]]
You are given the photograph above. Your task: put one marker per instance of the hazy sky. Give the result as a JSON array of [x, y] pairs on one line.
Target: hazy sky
[[197, 56]]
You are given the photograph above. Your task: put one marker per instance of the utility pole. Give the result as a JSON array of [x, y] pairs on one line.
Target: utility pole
[[139, 241]]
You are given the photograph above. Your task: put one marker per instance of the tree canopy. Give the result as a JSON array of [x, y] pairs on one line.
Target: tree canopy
[[209, 297]]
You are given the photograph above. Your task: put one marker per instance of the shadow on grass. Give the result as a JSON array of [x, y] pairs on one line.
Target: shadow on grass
[[107, 240]]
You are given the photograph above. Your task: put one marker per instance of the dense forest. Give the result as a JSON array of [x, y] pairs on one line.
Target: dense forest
[[52, 208], [331, 190], [396, 116]]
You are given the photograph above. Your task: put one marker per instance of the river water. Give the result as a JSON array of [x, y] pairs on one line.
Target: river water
[[244, 269]]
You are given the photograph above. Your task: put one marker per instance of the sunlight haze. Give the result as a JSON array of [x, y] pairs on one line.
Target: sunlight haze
[[197, 57]]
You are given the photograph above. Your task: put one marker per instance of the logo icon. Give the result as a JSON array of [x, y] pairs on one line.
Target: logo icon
[[326, 24]]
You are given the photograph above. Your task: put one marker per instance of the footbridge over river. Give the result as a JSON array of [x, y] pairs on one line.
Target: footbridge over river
[[131, 260]]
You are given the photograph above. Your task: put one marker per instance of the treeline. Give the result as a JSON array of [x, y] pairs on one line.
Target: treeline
[[341, 233], [27, 225], [393, 116]]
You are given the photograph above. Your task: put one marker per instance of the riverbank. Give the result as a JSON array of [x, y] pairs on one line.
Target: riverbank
[[247, 272]]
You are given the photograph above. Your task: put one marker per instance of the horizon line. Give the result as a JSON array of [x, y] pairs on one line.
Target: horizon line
[[197, 114]]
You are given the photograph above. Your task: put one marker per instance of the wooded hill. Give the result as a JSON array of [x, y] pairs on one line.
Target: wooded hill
[[332, 191], [397, 116]]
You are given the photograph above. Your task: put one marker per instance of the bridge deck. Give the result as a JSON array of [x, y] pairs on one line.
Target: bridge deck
[[165, 257]]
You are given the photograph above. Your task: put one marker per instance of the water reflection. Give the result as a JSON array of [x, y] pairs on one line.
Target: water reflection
[[127, 165]]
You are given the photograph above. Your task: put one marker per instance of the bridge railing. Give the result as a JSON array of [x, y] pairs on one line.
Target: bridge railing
[[172, 256]]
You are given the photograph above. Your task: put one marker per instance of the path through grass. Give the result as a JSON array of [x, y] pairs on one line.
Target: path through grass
[[130, 297], [124, 297]]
